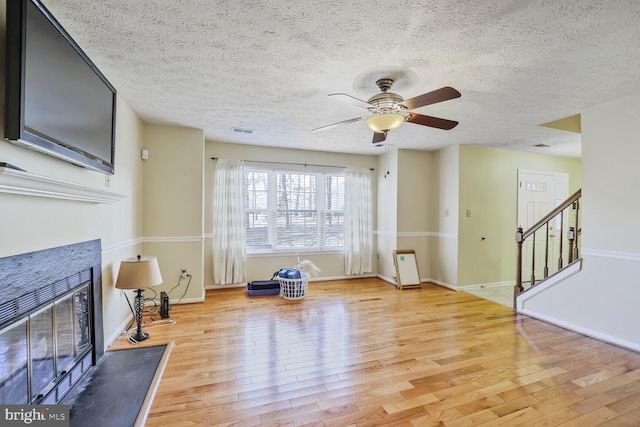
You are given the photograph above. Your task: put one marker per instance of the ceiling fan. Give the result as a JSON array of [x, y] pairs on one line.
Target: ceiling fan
[[388, 110]]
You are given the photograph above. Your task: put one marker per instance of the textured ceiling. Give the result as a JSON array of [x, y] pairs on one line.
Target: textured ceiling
[[269, 65]]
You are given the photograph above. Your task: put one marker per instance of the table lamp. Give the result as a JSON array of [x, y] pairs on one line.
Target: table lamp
[[138, 273]]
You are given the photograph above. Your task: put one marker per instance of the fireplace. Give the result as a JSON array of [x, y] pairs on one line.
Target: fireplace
[[50, 321]]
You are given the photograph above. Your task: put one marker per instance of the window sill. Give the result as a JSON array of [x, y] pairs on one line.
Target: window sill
[[290, 253]]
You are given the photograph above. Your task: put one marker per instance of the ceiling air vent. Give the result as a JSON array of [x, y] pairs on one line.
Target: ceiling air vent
[[242, 130]]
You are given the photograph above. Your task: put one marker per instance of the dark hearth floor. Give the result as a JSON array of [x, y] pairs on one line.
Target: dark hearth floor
[[112, 394]]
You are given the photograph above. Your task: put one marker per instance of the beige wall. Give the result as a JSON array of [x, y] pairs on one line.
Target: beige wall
[[444, 209], [414, 192], [411, 206], [387, 214], [611, 194], [488, 189], [121, 223], [261, 267], [414, 195], [173, 202], [443, 246]]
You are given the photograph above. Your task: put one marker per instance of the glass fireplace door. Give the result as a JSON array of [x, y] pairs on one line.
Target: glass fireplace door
[[42, 349], [14, 364], [39, 348]]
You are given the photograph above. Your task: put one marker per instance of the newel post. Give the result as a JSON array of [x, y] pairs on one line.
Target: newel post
[[518, 287]]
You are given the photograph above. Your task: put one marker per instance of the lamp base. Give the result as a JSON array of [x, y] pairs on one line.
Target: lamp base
[[140, 336], [139, 306]]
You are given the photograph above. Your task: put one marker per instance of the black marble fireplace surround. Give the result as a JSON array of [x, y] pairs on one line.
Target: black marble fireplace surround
[[50, 321]]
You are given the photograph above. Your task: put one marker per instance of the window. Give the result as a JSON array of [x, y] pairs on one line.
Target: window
[[293, 210]]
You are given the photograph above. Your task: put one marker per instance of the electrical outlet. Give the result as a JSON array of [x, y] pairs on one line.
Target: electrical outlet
[[183, 273]]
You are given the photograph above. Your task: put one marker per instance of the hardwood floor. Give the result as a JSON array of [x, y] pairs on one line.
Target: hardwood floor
[[361, 353]]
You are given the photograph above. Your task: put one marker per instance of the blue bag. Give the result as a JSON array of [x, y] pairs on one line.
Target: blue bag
[[289, 273]]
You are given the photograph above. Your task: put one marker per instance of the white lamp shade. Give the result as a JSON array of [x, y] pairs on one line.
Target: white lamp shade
[[385, 122], [138, 273]]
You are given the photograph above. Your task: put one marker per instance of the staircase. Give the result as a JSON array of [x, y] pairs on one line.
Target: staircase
[[544, 255]]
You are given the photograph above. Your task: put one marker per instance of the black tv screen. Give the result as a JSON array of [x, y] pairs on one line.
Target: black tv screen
[[56, 99]]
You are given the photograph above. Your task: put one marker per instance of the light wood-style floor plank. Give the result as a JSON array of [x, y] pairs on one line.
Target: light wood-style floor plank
[[361, 353]]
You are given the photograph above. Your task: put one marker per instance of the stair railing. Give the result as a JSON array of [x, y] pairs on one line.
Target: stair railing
[[558, 214]]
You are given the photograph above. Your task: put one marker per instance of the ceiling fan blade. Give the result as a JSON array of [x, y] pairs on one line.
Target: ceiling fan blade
[[433, 122], [359, 103], [443, 94], [379, 138], [344, 122]]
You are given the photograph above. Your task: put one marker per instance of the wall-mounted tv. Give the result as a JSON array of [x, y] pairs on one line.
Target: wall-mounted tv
[[56, 99]]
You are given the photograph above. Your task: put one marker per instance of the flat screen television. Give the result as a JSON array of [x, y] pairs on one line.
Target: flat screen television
[[56, 99]]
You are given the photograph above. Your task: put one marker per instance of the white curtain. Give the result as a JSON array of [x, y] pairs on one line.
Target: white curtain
[[358, 227], [229, 250]]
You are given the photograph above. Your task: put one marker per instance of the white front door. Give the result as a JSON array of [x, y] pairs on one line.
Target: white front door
[[538, 193]]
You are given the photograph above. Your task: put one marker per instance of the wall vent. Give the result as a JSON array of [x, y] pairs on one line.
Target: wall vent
[[242, 130]]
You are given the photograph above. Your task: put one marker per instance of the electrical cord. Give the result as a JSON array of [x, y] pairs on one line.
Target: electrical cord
[[131, 329], [156, 304], [179, 283], [148, 325], [185, 289], [130, 308]]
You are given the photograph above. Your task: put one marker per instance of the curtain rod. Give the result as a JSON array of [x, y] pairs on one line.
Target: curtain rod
[[290, 163]]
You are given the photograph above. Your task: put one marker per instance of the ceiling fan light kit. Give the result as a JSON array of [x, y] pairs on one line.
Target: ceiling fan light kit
[[388, 111], [384, 123]]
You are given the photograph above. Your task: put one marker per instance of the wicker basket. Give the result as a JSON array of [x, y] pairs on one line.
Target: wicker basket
[[294, 288]]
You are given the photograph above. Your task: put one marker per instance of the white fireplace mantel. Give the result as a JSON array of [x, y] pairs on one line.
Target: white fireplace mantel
[[27, 184]]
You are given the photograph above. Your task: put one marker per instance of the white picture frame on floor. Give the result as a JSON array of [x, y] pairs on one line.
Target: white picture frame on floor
[[406, 268]]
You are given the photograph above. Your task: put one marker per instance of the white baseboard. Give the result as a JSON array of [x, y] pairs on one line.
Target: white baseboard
[[121, 328], [386, 279], [443, 284], [588, 332], [321, 279], [185, 300], [235, 285], [355, 276], [487, 285], [311, 279], [435, 282]]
